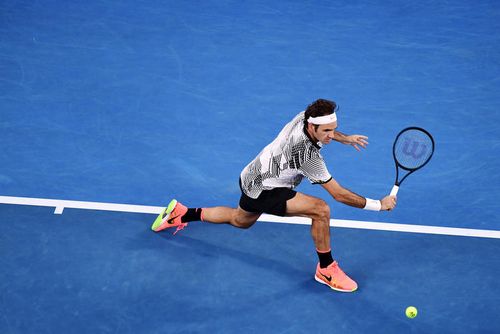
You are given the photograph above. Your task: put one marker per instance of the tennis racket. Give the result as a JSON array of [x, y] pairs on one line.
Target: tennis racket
[[412, 150]]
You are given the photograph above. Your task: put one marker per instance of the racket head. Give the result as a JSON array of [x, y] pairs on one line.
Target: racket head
[[413, 148]]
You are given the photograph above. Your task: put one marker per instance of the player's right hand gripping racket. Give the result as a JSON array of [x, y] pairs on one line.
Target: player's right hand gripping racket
[[412, 150]]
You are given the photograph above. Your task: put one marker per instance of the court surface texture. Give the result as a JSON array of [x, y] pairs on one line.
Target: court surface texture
[[109, 109]]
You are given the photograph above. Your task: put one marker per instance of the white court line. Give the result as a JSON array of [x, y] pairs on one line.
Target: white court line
[[60, 205]]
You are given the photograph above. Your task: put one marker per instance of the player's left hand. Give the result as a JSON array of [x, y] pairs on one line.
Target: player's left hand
[[357, 141]]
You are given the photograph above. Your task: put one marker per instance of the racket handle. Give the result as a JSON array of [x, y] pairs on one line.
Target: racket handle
[[394, 190]]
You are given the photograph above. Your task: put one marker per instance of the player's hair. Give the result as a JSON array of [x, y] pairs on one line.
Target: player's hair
[[320, 107]]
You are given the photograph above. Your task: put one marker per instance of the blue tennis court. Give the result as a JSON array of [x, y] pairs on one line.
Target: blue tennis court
[[135, 103]]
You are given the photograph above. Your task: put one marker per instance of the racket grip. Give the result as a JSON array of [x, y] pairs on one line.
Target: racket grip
[[394, 190]]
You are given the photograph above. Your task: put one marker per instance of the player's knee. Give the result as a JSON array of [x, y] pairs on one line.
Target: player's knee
[[321, 210], [242, 224]]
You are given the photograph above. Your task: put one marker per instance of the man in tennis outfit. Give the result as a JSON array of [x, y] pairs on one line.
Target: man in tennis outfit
[[267, 186]]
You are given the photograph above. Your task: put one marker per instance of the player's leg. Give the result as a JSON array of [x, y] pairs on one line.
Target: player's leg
[[319, 212], [178, 215], [327, 271], [224, 215]]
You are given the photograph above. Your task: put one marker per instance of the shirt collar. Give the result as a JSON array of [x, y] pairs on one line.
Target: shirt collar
[[316, 144]]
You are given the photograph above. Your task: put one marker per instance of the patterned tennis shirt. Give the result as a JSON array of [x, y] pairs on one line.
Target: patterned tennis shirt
[[290, 157]]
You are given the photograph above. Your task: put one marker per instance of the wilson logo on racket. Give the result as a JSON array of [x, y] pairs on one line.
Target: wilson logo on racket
[[415, 145]]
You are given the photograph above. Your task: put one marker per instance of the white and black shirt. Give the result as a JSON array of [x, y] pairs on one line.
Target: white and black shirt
[[285, 161]]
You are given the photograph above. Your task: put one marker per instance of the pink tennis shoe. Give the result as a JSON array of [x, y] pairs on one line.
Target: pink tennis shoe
[[171, 217], [335, 278]]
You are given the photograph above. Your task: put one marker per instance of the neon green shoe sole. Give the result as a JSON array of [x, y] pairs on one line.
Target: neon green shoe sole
[[162, 217]]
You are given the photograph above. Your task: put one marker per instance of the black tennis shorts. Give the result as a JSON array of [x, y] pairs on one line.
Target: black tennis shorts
[[269, 201]]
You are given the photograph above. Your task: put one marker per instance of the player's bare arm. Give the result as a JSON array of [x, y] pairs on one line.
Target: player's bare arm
[[350, 198]]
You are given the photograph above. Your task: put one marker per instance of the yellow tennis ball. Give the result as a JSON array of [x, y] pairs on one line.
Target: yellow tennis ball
[[411, 312]]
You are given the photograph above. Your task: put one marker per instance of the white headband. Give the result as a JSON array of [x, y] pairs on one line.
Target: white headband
[[327, 119]]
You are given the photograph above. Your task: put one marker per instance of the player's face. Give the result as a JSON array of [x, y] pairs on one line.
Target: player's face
[[325, 133]]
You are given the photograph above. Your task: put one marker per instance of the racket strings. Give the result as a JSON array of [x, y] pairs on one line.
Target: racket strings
[[413, 149]]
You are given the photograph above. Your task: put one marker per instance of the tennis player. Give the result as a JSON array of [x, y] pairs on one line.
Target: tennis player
[[267, 186]]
